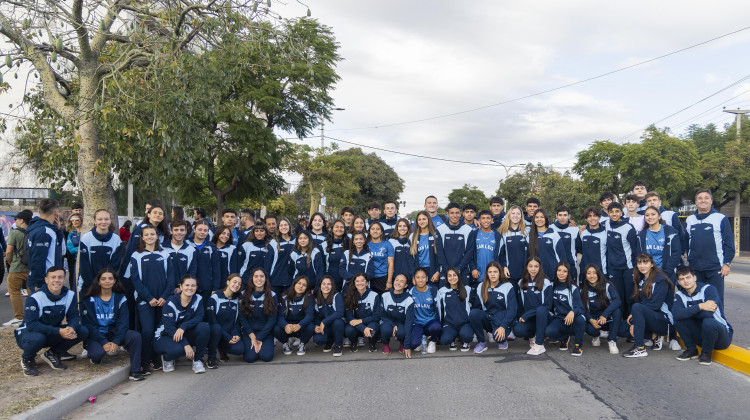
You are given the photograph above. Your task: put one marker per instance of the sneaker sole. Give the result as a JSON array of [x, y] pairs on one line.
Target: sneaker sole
[[134, 379], [453, 349], [199, 371], [576, 354], [49, 362], [634, 356], [481, 351], [682, 359], [705, 363], [24, 371], [326, 351], [336, 354], [300, 354], [465, 350]]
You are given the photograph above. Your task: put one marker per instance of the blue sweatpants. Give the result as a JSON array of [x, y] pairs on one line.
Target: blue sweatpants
[[481, 321], [266, 349], [612, 325], [450, 332], [217, 342], [534, 327], [623, 282], [432, 330], [131, 342], [353, 333], [386, 331], [708, 333], [557, 329], [197, 336], [333, 333], [148, 319], [646, 319], [32, 342], [304, 334]]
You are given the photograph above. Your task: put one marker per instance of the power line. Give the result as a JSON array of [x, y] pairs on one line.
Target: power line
[[544, 91]]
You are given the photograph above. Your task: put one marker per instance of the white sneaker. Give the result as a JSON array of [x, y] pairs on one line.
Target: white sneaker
[[13, 321], [431, 347], [674, 345], [613, 347], [167, 365], [603, 334], [596, 342], [295, 342], [659, 343], [532, 342], [84, 354], [648, 343], [491, 338], [511, 336], [417, 349], [7, 294], [198, 366], [287, 348], [536, 350], [24, 293]]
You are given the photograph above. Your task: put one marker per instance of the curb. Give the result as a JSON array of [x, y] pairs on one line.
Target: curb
[[734, 357], [69, 400], [736, 285]]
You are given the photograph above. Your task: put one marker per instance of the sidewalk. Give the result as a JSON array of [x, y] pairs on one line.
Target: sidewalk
[[736, 280]]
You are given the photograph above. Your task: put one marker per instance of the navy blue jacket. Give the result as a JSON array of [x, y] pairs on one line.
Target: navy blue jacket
[[514, 251], [452, 247], [207, 268], [403, 262], [532, 299], [685, 305], [671, 255], [569, 236], [326, 313], [594, 311], [450, 308], [44, 312], [183, 259], [132, 245], [280, 275], [45, 250], [711, 241], [551, 251], [295, 312], [255, 254], [298, 266], [117, 329], [229, 262], [659, 300], [360, 262], [98, 252], [225, 312], [258, 322], [592, 245], [565, 300], [369, 310], [399, 309], [501, 305], [497, 220], [332, 261], [622, 245], [152, 274], [174, 316]]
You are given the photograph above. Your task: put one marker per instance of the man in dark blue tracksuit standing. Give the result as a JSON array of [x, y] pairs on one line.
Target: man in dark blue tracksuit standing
[[45, 243], [622, 243], [453, 250], [710, 242]]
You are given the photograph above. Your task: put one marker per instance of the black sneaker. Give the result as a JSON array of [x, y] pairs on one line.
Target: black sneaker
[[327, 347], [155, 365], [53, 360], [636, 352], [212, 364], [564, 343], [223, 356], [704, 359], [687, 355], [373, 346], [136, 376], [65, 356], [465, 346], [336, 351], [353, 347], [145, 371], [29, 367], [577, 351], [453, 346]]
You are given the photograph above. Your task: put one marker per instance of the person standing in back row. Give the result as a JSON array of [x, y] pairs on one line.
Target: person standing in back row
[[710, 243], [18, 270], [45, 242]]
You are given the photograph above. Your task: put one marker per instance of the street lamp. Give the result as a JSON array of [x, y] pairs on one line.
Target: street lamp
[[323, 124], [507, 168]]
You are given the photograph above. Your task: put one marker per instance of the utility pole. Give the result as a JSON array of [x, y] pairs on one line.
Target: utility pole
[[737, 198], [322, 205]]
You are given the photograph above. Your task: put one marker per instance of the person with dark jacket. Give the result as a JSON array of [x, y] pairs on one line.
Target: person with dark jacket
[[43, 323], [45, 243], [100, 249], [104, 313], [222, 313], [258, 313], [661, 241]]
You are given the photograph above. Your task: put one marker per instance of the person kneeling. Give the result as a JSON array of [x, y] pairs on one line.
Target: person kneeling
[[105, 314], [222, 314], [182, 327], [699, 318], [398, 317], [567, 311], [295, 317], [42, 323]]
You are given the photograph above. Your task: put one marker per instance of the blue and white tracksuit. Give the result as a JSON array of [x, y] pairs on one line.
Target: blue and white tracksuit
[[299, 311], [97, 252], [397, 311], [564, 300], [652, 314], [454, 250], [369, 310], [499, 310], [312, 269], [426, 256], [613, 312], [454, 315], [187, 318], [332, 318], [551, 251], [664, 246], [697, 327], [592, 245], [403, 262], [536, 306], [425, 315], [260, 324], [622, 244], [332, 260], [222, 314], [569, 236], [255, 254], [46, 244], [710, 246], [360, 262], [107, 321], [228, 263], [281, 278], [514, 252]]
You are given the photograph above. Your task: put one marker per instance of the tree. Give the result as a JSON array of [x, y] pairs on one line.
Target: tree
[[80, 49], [284, 206], [469, 194], [599, 167], [323, 172], [374, 179], [552, 188]]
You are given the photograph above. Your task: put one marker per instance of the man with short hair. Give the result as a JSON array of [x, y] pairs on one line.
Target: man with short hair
[[182, 252], [568, 234], [247, 221], [45, 243], [347, 215], [485, 247], [431, 206], [390, 218], [633, 215], [229, 219], [18, 270], [468, 216], [532, 205], [622, 244], [605, 199], [699, 318], [498, 214], [710, 242], [77, 208], [374, 211], [592, 243], [639, 189], [43, 323], [271, 223], [452, 246]]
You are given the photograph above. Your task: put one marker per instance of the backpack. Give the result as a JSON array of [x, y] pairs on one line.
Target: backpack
[[24, 252]]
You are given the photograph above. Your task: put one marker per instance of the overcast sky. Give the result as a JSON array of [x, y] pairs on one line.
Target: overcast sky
[[406, 61]]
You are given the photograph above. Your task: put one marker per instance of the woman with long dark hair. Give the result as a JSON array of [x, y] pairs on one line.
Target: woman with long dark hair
[[567, 311], [104, 312], [258, 312], [363, 312], [329, 317], [333, 251], [536, 303], [282, 245], [306, 260], [255, 252], [356, 259], [382, 258], [454, 301], [222, 313], [422, 247], [295, 316], [601, 305], [498, 308]]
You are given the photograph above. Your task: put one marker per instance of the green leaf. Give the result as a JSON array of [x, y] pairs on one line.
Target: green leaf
[[8, 61], [309, 13], [58, 44]]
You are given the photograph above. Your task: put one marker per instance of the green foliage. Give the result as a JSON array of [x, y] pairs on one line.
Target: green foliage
[[469, 194], [552, 188], [284, 206], [374, 179]]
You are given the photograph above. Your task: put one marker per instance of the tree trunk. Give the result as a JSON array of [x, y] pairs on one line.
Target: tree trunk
[[312, 199], [95, 184]]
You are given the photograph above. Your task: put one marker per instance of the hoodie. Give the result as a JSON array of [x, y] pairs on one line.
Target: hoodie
[[97, 252], [710, 241], [45, 250]]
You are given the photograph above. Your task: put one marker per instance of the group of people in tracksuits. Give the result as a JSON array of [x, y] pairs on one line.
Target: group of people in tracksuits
[[203, 291]]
